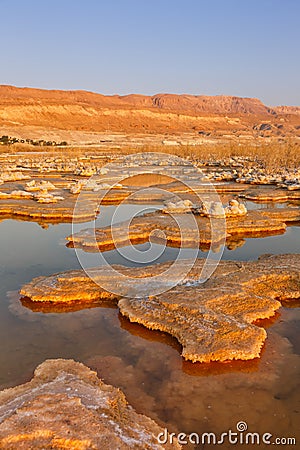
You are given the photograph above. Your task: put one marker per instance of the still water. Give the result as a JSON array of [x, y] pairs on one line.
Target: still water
[[147, 365]]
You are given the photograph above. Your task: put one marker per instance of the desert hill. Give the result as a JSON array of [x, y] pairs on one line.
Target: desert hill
[[192, 104], [287, 109], [27, 110], [195, 104]]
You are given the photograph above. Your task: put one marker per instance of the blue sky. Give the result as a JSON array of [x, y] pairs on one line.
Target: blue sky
[[248, 48]]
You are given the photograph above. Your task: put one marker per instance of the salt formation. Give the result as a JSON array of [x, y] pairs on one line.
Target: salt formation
[[13, 176], [271, 195], [294, 186], [214, 321], [39, 186], [212, 209], [247, 171], [45, 197], [76, 187], [189, 234], [181, 206], [67, 406], [235, 209], [20, 194], [207, 208]]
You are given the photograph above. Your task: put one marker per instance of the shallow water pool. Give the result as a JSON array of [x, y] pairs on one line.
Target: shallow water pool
[[147, 365]]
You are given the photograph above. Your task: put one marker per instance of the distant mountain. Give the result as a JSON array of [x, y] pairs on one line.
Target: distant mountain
[[287, 109], [160, 113], [194, 104]]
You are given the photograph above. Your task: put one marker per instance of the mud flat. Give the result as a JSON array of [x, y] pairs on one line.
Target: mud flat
[[255, 223], [214, 321], [67, 406]]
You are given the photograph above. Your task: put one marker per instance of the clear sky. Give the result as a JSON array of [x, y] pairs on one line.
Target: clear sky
[[248, 48]]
